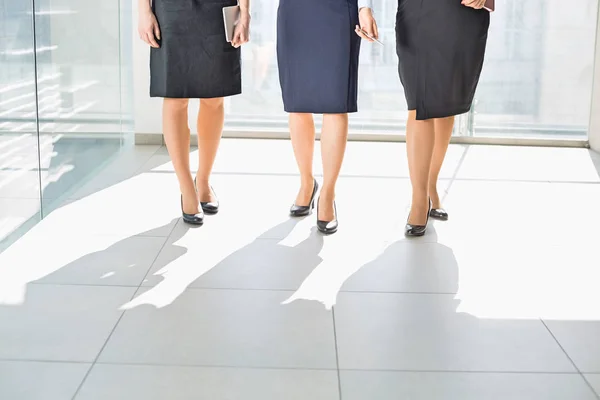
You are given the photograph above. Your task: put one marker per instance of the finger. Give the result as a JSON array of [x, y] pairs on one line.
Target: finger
[[362, 35], [145, 38], [369, 32], [151, 40], [375, 30], [157, 32]]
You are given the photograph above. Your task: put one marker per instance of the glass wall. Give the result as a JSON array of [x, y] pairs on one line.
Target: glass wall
[[539, 64], [537, 80], [64, 102]]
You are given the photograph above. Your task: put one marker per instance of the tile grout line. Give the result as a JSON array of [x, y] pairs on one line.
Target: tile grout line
[[337, 355], [119, 320], [571, 360], [99, 352], [246, 367], [242, 289]]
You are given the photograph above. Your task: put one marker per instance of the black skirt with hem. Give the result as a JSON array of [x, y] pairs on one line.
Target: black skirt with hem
[[194, 59], [441, 48]]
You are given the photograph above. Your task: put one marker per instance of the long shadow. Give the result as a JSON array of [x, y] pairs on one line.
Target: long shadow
[[114, 265], [263, 263], [125, 262]]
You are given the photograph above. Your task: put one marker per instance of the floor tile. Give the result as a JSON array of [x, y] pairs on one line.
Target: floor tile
[[124, 166], [515, 163], [134, 207], [125, 262], [405, 266], [580, 339], [262, 264], [28, 380], [385, 159], [533, 273], [16, 213], [302, 259], [418, 332], [60, 322], [75, 258], [520, 212], [359, 385], [594, 380], [127, 382], [222, 328]]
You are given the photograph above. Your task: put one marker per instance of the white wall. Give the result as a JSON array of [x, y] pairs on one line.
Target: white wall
[[595, 114]]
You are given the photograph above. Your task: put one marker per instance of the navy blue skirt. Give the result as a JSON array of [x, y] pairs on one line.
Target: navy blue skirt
[[317, 54]]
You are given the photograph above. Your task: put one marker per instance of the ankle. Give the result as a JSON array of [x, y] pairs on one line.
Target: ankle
[[307, 181], [202, 181], [327, 194], [420, 201]]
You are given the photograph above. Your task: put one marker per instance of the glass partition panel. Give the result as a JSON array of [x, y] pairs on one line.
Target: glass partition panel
[[19, 156], [80, 88], [537, 79]]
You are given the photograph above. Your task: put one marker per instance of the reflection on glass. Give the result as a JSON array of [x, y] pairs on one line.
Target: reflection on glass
[[536, 81], [19, 163], [80, 86], [55, 140]]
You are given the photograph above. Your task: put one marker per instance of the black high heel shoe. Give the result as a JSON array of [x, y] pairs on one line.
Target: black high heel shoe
[[328, 227], [303, 211], [192, 219], [210, 207], [411, 230], [439, 214]]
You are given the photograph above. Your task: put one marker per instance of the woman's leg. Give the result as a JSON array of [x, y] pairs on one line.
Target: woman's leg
[[420, 138], [443, 132], [333, 147], [211, 117], [302, 132], [177, 139]]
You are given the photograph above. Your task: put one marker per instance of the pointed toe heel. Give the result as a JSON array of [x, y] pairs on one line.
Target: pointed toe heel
[[210, 207], [303, 211], [328, 227], [439, 214], [192, 219], [411, 230]]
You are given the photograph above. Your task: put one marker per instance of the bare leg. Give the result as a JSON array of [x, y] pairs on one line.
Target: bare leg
[[177, 139], [333, 147], [443, 132], [211, 117], [302, 131], [420, 139]]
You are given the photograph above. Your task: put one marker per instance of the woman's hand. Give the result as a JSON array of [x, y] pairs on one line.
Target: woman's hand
[[241, 33], [476, 4], [367, 24], [148, 28]]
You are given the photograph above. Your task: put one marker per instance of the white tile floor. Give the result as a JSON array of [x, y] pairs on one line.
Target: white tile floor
[[112, 297]]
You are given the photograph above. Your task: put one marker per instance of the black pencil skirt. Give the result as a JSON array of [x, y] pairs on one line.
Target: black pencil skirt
[[441, 47], [194, 59], [317, 54]]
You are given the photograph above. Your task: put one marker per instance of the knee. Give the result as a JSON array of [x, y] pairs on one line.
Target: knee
[[212, 103], [175, 104]]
